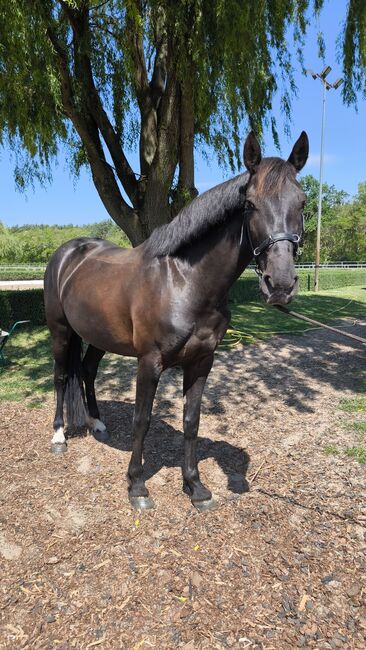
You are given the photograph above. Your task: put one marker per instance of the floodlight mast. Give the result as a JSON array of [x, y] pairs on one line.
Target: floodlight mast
[[326, 86]]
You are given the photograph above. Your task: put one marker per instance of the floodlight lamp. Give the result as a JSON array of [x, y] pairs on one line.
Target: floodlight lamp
[[313, 74], [337, 83], [325, 72]]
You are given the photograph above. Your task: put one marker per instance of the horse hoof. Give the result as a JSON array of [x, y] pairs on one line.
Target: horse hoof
[[142, 503], [101, 436], [58, 447], [205, 506]]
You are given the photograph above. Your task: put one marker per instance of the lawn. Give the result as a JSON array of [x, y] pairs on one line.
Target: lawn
[[254, 320]]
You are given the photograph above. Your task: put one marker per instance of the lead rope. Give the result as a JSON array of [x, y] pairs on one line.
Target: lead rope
[[295, 314]]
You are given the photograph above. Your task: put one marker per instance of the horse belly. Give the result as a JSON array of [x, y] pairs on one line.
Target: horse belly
[[106, 329]]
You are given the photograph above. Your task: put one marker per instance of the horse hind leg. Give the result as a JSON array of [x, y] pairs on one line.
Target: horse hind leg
[[148, 374], [92, 358], [60, 344], [194, 379]]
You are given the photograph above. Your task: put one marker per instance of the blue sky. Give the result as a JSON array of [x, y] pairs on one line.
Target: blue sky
[[65, 201]]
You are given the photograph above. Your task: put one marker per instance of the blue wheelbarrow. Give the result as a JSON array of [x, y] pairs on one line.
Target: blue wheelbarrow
[[4, 337]]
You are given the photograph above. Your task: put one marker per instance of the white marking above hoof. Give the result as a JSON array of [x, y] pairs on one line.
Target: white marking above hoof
[[58, 436], [94, 425]]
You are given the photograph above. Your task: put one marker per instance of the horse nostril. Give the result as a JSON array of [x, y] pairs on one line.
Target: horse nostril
[[268, 282], [293, 286]]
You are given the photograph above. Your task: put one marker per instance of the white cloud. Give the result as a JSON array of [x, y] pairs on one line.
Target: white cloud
[[202, 187], [314, 159]]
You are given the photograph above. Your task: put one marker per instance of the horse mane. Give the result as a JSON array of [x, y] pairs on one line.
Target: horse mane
[[195, 219]]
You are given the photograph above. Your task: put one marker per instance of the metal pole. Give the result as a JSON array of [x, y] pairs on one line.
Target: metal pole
[[317, 251]]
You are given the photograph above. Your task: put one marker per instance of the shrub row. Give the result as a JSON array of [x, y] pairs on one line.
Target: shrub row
[[21, 274], [24, 304]]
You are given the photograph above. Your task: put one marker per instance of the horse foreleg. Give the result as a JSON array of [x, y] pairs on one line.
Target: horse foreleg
[[91, 361], [194, 380], [148, 374]]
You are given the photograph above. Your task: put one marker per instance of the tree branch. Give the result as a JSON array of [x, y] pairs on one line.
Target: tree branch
[[166, 155], [141, 82], [158, 81], [84, 73], [87, 130]]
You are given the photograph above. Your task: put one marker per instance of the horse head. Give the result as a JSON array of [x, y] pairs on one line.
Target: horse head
[[274, 217]]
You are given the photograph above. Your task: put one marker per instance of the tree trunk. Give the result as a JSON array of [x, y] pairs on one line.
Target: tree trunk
[[186, 149]]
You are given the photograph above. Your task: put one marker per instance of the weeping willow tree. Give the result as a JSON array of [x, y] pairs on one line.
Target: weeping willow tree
[[164, 77]]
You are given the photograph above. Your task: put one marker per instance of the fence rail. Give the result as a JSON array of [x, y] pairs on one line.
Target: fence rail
[[333, 265], [304, 265]]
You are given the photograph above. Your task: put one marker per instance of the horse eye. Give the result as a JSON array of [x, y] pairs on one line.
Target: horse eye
[[249, 205]]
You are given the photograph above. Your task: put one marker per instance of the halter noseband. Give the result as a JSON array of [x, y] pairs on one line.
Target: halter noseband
[[272, 239]]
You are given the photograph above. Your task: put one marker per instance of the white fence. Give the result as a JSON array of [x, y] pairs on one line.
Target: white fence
[[305, 265], [333, 265]]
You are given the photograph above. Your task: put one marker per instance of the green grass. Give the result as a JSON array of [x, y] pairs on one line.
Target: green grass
[[359, 453], [27, 377], [254, 320], [356, 452], [359, 427], [353, 404], [331, 450]]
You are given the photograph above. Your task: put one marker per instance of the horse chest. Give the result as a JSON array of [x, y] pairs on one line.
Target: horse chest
[[206, 335]]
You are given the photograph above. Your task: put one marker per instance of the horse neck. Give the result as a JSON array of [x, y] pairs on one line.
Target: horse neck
[[218, 259]]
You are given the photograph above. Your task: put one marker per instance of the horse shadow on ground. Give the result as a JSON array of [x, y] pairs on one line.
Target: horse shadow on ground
[[164, 446]]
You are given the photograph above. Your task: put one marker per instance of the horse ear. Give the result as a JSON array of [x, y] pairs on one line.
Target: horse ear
[[300, 152], [252, 153]]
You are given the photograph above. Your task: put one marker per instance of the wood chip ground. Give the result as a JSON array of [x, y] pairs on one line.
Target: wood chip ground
[[280, 564]]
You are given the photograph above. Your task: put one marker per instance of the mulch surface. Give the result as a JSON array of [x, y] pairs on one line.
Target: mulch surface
[[279, 564]]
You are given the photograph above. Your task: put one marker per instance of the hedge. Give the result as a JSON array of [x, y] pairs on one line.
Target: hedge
[[21, 274], [21, 304]]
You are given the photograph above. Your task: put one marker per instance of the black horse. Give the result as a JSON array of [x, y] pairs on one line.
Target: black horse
[[165, 302]]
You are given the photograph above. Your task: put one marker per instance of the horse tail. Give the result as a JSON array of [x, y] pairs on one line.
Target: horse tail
[[74, 389]]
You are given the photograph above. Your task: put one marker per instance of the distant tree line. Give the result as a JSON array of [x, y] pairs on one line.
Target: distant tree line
[[31, 244], [343, 223], [343, 233]]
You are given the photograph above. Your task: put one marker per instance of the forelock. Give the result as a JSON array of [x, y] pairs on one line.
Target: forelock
[[271, 176]]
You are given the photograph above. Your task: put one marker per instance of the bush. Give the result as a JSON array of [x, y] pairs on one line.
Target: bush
[[21, 274], [337, 278], [25, 304]]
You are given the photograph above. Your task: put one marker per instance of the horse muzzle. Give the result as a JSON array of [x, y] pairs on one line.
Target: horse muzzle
[[275, 294]]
